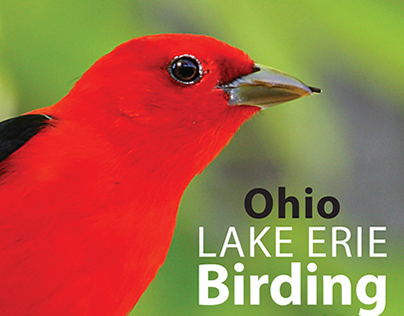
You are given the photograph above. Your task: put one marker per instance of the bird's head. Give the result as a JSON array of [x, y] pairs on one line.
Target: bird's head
[[182, 91], [186, 79]]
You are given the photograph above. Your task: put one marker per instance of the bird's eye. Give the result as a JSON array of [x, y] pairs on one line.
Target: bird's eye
[[186, 69]]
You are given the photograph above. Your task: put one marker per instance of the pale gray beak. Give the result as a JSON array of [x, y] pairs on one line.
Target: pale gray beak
[[266, 87]]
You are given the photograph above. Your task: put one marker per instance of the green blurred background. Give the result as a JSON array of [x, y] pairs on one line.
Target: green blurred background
[[347, 142]]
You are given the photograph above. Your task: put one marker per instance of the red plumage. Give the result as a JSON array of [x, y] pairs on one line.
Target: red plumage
[[89, 204]]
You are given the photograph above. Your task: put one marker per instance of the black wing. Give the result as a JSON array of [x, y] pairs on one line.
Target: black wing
[[15, 132]]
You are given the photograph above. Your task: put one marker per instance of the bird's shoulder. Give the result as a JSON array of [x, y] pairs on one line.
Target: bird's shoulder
[[17, 131]]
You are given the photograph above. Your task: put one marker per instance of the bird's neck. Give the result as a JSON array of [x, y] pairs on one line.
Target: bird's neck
[[162, 154]]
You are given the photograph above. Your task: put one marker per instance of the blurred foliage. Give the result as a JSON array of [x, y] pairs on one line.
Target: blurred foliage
[[347, 142]]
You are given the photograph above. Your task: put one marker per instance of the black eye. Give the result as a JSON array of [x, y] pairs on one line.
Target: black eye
[[186, 69]]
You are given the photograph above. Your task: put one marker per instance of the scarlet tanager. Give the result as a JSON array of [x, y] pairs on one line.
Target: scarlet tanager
[[90, 186]]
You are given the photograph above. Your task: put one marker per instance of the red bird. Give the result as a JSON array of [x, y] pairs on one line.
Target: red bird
[[90, 187]]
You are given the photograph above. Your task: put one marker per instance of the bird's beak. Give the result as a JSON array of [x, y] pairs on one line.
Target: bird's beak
[[266, 87]]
